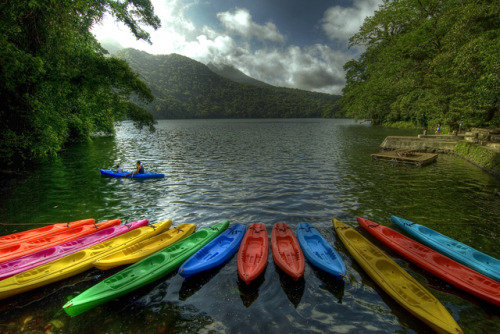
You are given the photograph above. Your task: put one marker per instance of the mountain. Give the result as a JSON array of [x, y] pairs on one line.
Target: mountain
[[185, 88], [111, 46], [231, 73]]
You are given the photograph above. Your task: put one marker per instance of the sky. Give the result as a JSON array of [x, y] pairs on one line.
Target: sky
[[286, 43]]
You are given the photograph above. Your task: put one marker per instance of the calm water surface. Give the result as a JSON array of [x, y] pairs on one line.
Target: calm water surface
[[252, 171]]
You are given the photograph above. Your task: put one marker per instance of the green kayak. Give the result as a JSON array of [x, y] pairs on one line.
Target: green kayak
[[143, 272]]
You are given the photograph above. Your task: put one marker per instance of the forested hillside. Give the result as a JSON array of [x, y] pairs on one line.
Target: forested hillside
[[231, 73], [427, 62], [184, 88]]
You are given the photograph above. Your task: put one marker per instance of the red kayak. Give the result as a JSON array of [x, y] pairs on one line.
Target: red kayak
[[436, 263], [23, 248], [42, 231], [287, 253], [253, 253]]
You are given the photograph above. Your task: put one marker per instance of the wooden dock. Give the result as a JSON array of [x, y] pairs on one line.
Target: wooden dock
[[406, 156]]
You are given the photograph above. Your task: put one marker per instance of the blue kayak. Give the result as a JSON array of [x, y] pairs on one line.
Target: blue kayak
[[318, 251], [466, 255], [215, 253], [149, 175]]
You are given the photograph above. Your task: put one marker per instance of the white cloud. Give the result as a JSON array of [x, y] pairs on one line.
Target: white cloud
[[241, 22], [316, 67], [340, 23]]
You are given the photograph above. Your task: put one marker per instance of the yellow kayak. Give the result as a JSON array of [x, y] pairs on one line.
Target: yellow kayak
[[396, 282], [144, 248], [75, 263]]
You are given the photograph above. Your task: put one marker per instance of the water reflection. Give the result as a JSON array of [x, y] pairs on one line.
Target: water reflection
[[293, 289], [250, 292], [194, 283], [246, 171], [330, 283]]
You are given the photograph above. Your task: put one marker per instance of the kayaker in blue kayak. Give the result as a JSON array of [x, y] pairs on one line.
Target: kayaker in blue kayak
[[139, 170]]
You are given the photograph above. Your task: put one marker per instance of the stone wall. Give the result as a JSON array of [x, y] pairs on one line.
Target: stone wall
[[478, 146]]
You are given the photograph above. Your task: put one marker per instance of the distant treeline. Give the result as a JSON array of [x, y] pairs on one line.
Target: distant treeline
[[427, 62], [184, 88]]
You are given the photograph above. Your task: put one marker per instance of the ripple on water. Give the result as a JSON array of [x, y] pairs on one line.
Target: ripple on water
[[255, 171]]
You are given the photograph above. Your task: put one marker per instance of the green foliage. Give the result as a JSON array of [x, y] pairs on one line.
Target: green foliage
[[56, 84], [427, 62], [184, 88], [480, 156]]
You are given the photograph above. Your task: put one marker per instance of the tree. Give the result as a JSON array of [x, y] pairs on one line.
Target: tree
[[56, 84], [427, 61]]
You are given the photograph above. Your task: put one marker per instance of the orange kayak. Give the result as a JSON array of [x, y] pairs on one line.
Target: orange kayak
[[253, 253], [12, 251], [286, 249], [42, 231]]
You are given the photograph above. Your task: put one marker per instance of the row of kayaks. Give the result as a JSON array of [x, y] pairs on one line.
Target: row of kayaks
[[155, 250], [204, 250]]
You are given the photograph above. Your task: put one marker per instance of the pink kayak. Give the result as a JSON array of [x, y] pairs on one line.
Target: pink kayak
[[30, 261]]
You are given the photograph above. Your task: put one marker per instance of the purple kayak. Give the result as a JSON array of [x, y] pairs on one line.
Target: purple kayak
[[20, 264]]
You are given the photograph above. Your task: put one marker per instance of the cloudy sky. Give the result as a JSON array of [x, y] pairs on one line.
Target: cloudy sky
[[288, 43]]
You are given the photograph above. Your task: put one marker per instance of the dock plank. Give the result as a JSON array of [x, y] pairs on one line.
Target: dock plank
[[406, 156]]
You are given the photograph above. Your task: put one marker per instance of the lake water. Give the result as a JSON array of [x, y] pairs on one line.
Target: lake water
[[250, 171]]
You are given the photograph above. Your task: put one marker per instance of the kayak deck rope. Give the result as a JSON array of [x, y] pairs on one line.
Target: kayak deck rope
[[255, 230]]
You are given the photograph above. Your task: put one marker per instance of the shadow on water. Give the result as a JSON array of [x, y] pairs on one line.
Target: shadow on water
[[294, 290], [250, 292], [330, 283], [194, 283]]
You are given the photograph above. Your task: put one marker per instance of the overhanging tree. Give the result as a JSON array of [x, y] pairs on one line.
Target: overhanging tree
[[56, 84]]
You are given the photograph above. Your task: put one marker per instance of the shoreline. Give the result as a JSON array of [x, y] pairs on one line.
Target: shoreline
[[481, 147]]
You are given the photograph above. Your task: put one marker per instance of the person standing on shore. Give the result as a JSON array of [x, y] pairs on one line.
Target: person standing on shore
[[438, 128]]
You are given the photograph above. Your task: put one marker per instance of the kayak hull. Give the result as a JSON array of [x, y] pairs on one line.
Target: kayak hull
[[20, 264], [43, 231], [462, 253], [396, 282], [143, 272], [145, 248], [33, 245], [253, 253], [149, 175], [319, 252], [436, 263], [75, 263], [287, 253], [215, 253]]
